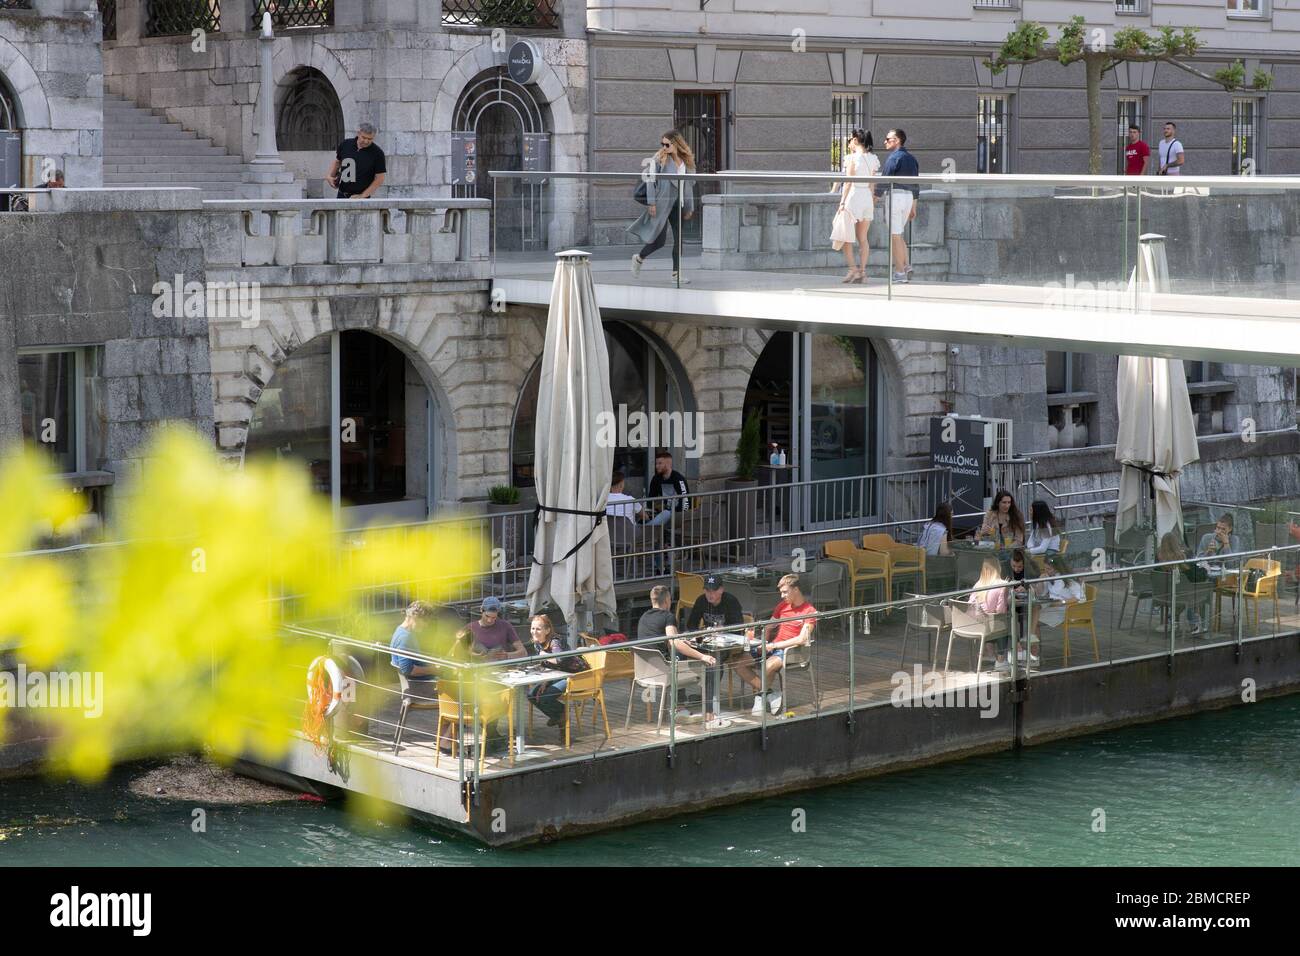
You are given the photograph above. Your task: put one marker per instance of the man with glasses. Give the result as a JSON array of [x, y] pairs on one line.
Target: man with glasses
[[794, 630], [901, 199]]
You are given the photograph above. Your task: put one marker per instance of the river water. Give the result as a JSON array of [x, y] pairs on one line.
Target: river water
[[1212, 789]]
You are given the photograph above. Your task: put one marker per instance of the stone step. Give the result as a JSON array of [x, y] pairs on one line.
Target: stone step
[[112, 135], [174, 177], [206, 164], [125, 154]]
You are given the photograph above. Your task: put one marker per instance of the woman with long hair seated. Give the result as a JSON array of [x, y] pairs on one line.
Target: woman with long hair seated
[[1190, 574], [1003, 524], [987, 599], [937, 532], [1044, 530]]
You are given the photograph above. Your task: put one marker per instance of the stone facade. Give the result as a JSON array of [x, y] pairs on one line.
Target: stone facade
[[50, 60]]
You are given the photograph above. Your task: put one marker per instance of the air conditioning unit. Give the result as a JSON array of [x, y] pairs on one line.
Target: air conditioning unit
[[972, 448]]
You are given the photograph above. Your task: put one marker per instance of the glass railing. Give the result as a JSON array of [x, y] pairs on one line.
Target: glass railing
[[1043, 241], [902, 636]]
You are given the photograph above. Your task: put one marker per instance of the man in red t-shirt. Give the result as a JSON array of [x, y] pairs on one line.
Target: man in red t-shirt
[[1136, 153], [794, 630]]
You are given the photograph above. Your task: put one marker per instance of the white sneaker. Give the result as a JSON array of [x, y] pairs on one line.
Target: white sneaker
[[757, 709], [680, 280], [636, 265], [683, 714], [774, 704], [900, 277]]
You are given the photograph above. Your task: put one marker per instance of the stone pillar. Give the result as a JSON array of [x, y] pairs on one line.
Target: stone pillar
[[266, 177], [573, 18], [131, 18]]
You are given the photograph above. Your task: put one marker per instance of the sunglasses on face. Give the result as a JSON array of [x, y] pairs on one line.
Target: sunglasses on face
[[666, 145]]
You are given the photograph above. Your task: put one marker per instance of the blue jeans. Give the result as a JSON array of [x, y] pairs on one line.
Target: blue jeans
[[661, 518], [546, 698]]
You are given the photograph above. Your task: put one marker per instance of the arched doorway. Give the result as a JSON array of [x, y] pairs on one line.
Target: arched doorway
[[376, 463], [502, 125], [310, 116], [645, 380], [818, 397], [11, 142]]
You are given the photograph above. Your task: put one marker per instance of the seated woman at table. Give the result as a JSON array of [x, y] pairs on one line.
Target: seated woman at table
[[542, 639], [992, 601], [937, 532], [1044, 531], [1003, 524], [1058, 592], [1190, 574]]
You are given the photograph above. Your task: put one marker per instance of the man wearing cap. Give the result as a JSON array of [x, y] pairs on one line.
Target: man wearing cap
[[492, 636], [715, 607]]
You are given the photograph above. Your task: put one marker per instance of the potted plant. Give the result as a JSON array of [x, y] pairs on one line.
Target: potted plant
[[503, 498], [505, 530], [749, 451]]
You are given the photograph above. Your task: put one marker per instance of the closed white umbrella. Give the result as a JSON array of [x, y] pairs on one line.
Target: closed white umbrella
[[1157, 433], [573, 460]]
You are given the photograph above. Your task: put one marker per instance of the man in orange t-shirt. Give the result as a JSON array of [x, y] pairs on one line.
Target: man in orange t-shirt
[[794, 630]]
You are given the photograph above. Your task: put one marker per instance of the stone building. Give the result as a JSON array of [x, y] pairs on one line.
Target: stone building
[[443, 382]]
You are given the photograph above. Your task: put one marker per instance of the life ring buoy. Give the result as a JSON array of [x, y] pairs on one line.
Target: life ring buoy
[[335, 676]]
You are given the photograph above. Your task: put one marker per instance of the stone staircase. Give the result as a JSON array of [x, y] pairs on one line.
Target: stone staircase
[[142, 149]]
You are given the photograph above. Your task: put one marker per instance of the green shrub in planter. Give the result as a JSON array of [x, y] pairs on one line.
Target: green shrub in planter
[[503, 495]]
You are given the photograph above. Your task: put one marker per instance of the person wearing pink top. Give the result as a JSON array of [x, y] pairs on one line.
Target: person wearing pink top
[[994, 600]]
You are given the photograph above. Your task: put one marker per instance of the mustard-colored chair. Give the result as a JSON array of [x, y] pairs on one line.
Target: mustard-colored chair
[[905, 560], [583, 687], [492, 705], [689, 589], [1080, 615], [1265, 589], [863, 567]]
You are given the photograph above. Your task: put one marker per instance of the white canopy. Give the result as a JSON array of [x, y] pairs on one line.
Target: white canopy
[[571, 553]]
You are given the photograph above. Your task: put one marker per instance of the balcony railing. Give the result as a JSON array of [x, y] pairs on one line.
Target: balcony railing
[[538, 14], [177, 17], [15, 4], [287, 14]]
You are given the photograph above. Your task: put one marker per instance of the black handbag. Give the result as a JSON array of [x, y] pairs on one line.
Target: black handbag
[[641, 194]]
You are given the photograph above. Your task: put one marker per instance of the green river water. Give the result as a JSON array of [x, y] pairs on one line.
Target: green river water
[[1220, 788]]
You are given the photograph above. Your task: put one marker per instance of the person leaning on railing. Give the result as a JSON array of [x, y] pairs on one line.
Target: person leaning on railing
[[794, 630]]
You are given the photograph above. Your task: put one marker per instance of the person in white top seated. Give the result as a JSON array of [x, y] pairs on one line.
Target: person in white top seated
[[858, 201], [1044, 530], [620, 505], [937, 532]]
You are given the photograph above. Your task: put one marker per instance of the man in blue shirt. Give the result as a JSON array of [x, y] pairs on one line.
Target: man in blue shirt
[[407, 638], [902, 199]]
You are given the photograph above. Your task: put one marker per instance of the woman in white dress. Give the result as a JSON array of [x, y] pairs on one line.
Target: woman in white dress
[[857, 200]]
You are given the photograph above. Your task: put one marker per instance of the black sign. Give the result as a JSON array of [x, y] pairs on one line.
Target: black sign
[[965, 456], [521, 62]]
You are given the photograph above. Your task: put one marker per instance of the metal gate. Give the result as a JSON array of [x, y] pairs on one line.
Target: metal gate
[[701, 117]]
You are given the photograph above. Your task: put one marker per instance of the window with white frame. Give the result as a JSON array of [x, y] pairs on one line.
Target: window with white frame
[[1246, 8], [993, 124], [1245, 136], [1131, 111], [848, 112]]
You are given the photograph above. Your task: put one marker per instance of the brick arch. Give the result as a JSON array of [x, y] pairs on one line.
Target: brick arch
[[21, 78]]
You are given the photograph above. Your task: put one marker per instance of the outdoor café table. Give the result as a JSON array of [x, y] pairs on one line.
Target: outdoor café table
[[519, 677], [720, 646]]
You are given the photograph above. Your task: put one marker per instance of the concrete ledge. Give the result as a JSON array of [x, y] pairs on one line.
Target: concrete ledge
[[123, 199]]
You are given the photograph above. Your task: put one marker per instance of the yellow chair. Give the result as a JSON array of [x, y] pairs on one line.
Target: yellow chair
[[905, 560], [1080, 615], [689, 589], [863, 567], [492, 705], [583, 687], [1265, 588]]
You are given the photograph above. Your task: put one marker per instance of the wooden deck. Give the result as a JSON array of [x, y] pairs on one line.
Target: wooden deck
[[876, 658]]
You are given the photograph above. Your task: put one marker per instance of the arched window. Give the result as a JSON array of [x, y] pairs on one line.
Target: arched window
[[8, 108], [642, 384], [310, 115]]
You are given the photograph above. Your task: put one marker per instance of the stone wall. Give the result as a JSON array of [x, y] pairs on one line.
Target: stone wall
[[390, 64], [50, 60]]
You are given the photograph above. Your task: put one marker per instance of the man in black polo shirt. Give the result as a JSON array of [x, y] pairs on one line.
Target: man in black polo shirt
[[358, 169], [715, 607]]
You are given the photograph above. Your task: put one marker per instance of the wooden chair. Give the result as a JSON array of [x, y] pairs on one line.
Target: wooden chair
[[1080, 615], [905, 560], [690, 587], [491, 706], [863, 567], [1265, 588], [412, 701], [582, 687]]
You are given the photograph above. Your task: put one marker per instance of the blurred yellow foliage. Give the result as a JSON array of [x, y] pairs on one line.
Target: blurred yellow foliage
[[183, 617]]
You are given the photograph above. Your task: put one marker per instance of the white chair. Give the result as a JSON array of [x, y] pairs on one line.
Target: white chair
[[974, 625], [651, 670], [800, 658], [934, 616]]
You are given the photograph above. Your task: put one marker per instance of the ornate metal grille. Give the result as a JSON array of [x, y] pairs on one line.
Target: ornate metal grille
[[1245, 134], [108, 14], [991, 135], [310, 117], [294, 13], [848, 112], [8, 109], [15, 4], [175, 17], [502, 13]]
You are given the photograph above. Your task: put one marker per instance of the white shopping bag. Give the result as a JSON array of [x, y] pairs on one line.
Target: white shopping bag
[[842, 230]]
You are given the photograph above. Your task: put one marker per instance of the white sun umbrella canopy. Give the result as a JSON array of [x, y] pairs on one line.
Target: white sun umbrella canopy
[[1157, 433], [571, 553]]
